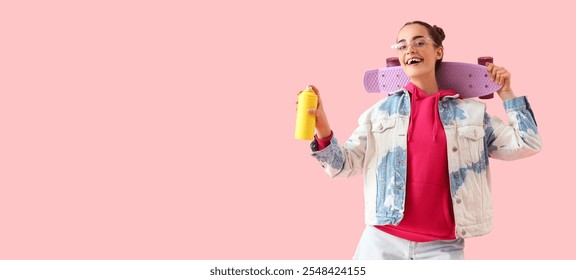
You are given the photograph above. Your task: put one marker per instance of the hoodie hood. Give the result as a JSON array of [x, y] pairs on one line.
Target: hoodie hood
[[417, 95]]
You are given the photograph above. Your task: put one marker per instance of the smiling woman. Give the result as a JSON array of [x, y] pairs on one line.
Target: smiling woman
[[424, 154], [435, 36], [419, 47]]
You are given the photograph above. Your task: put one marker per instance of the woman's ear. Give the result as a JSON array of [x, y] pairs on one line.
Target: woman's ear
[[439, 53]]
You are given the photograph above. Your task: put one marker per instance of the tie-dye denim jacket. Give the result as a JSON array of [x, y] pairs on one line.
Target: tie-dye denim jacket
[[377, 149]]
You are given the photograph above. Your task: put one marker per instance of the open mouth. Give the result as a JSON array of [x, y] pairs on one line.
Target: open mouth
[[413, 61]]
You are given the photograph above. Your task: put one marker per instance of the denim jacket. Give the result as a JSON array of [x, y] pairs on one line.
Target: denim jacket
[[377, 149]]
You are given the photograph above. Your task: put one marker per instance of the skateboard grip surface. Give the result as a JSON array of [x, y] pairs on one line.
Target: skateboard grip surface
[[468, 80], [385, 80]]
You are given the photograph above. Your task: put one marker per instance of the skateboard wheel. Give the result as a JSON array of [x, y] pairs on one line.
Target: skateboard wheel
[[482, 61], [392, 61]]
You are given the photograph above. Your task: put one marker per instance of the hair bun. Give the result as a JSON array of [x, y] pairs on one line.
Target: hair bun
[[440, 32]]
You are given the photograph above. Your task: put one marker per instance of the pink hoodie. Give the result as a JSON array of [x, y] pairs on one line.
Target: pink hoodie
[[428, 213]]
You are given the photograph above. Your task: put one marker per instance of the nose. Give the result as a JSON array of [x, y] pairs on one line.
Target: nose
[[409, 48]]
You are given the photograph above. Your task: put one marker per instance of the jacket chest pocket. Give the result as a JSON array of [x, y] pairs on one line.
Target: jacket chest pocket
[[383, 134], [471, 142]]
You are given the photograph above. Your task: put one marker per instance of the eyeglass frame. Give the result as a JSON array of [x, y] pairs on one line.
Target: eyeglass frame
[[412, 43]]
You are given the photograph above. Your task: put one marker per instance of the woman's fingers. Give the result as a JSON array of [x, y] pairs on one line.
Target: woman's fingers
[[499, 75]]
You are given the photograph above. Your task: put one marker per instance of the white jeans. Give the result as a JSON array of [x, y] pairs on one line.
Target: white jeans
[[378, 245]]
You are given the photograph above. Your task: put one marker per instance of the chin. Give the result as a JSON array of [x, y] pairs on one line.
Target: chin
[[413, 72]]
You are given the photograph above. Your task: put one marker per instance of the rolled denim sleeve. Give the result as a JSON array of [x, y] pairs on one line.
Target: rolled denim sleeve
[[517, 139], [346, 160]]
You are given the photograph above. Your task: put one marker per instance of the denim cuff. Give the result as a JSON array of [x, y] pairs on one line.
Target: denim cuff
[[326, 151], [516, 104]]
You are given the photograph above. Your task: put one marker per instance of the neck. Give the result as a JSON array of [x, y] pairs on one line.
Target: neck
[[427, 84]]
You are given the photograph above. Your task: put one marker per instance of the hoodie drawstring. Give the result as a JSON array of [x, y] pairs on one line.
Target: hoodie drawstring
[[412, 115], [436, 109]]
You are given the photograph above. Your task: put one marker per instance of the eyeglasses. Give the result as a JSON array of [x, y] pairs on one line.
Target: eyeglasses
[[416, 44]]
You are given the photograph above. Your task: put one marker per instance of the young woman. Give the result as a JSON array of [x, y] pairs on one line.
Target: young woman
[[424, 154]]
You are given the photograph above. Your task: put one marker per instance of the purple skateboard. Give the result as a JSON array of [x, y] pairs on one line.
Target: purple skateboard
[[468, 80]]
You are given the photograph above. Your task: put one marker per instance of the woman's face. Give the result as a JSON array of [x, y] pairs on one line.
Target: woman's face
[[417, 51]]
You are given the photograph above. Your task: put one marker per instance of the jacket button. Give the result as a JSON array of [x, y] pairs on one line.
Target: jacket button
[[444, 104], [463, 232], [456, 175], [454, 149], [458, 200]]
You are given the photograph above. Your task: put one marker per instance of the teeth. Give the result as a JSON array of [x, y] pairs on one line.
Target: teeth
[[414, 60]]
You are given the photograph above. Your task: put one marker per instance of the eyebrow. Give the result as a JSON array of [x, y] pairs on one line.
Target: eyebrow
[[413, 38]]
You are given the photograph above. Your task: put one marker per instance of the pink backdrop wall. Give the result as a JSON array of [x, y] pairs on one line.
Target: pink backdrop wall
[[163, 129]]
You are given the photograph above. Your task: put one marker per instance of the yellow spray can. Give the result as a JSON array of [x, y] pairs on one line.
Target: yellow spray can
[[305, 122]]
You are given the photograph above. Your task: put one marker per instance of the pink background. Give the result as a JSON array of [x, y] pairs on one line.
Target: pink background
[[164, 129]]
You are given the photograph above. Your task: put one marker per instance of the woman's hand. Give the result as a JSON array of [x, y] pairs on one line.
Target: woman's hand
[[322, 127], [502, 77]]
